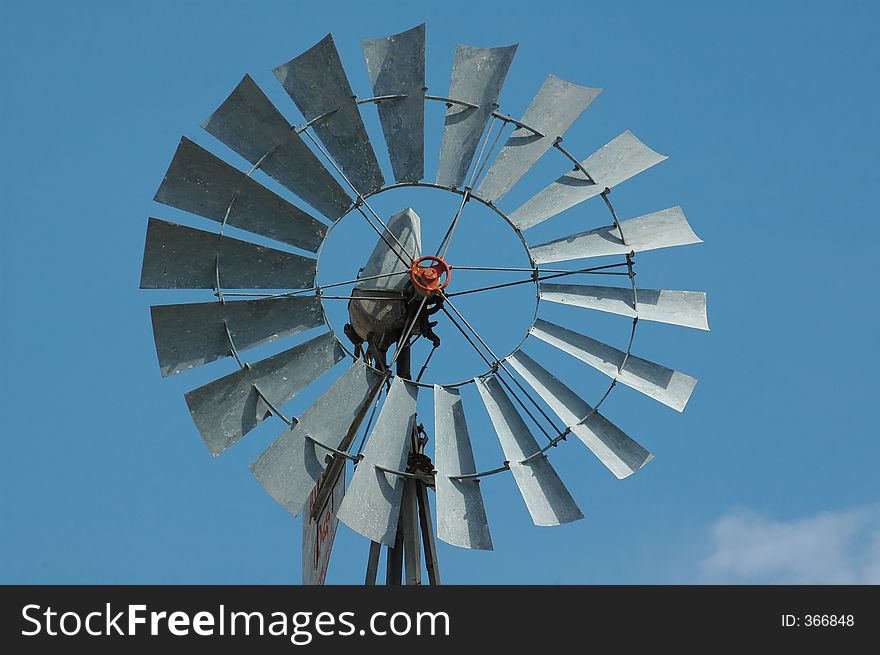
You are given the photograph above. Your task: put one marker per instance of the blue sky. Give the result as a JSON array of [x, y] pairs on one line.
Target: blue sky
[[768, 114]]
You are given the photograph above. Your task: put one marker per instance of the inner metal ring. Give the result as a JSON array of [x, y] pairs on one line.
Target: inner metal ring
[[429, 185]]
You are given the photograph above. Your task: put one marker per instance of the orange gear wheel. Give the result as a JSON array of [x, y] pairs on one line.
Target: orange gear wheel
[[430, 274]]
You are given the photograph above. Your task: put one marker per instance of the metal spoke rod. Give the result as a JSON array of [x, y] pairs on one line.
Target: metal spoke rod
[[522, 269], [447, 238], [479, 172], [369, 422], [425, 365], [342, 284], [596, 270], [404, 339], [504, 366], [494, 367], [361, 298], [299, 292], [361, 200]]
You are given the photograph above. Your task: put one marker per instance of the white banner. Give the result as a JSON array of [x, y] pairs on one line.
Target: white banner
[[318, 534]]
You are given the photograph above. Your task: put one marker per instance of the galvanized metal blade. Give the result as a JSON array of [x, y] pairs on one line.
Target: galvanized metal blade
[[477, 77], [318, 85], [292, 465], [665, 385], [249, 123], [612, 164], [663, 229], [372, 501], [685, 308], [618, 452], [197, 333], [226, 409], [461, 516], [199, 182], [546, 497], [180, 257], [396, 65], [552, 111]]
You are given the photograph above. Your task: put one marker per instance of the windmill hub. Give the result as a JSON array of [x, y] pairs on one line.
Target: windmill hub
[[430, 275]]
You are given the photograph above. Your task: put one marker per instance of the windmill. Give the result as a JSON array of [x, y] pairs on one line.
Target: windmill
[[329, 163]]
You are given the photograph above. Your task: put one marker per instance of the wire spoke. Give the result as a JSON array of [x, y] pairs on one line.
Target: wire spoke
[[500, 362], [521, 269], [362, 298], [597, 270], [443, 248], [425, 365], [342, 284], [494, 368], [479, 172], [515, 269], [404, 339], [318, 288], [370, 421], [362, 200], [447, 238]]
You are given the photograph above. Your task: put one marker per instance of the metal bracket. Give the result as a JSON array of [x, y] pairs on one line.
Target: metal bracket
[[577, 165], [604, 195], [406, 474], [349, 456], [378, 99], [453, 101], [302, 128], [272, 408], [520, 124], [232, 347]]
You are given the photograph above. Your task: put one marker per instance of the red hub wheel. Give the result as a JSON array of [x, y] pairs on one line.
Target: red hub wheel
[[430, 275]]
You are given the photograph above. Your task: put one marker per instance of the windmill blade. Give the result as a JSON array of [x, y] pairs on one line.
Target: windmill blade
[[552, 111], [193, 334], [180, 257], [372, 502], [292, 465], [226, 409], [461, 516], [546, 497], [249, 123], [618, 452], [199, 182], [685, 308], [612, 164], [318, 85], [665, 385], [396, 65], [477, 77], [663, 229]]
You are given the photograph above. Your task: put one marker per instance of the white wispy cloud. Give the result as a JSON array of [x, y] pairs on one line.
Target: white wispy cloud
[[839, 547]]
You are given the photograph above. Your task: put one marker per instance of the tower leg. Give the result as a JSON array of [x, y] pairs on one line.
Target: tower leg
[[409, 517], [414, 525], [373, 563], [394, 561], [431, 562]]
